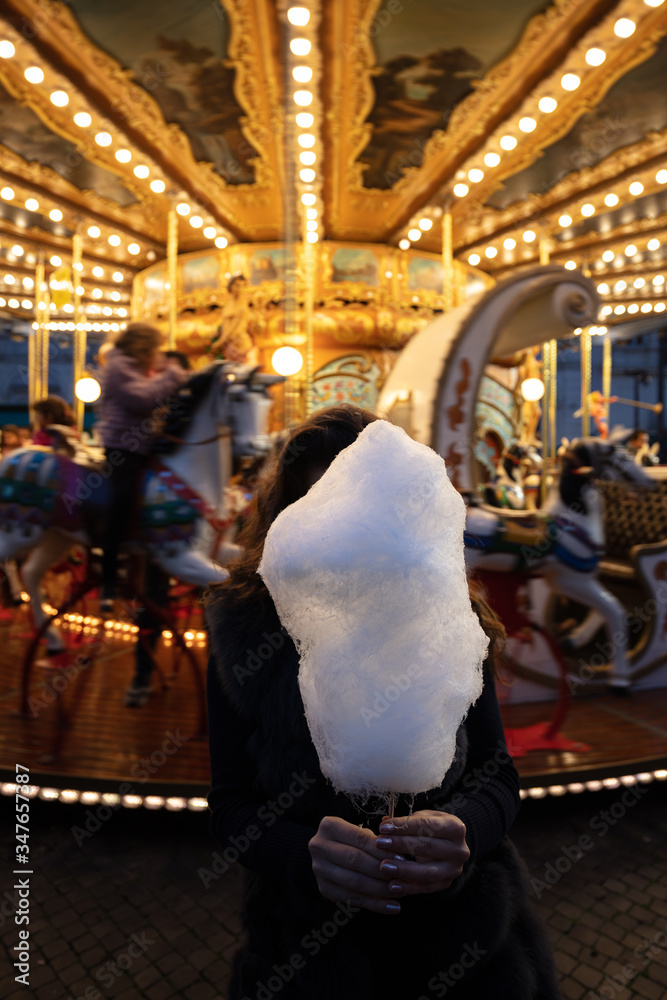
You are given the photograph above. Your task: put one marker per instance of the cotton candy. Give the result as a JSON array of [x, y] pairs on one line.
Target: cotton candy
[[367, 574]]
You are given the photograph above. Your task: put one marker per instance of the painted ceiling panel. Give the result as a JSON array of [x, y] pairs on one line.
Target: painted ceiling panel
[[428, 55], [179, 58], [633, 107], [22, 131]]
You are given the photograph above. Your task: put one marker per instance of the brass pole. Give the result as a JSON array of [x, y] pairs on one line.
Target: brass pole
[[585, 381], [606, 372], [553, 372], [172, 272], [44, 343], [35, 343], [447, 259], [309, 262], [544, 250], [79, 338]]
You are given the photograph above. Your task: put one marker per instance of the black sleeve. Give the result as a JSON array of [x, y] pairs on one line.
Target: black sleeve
[[263, 842], [487, 798]]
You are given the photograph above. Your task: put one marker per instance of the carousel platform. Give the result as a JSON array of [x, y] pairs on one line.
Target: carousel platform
[[78, 736]]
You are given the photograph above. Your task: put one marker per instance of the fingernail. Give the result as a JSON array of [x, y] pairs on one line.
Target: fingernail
[[387, 827], [395, 887], [399, 857], [393, 907], [387, 866], [383, 842]]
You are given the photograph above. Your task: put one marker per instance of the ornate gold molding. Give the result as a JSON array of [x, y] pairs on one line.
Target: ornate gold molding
[[247, 208], [355, 212]]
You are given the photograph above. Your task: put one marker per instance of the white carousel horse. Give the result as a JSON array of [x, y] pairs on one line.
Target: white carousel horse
[[564, 541], [48, 502]]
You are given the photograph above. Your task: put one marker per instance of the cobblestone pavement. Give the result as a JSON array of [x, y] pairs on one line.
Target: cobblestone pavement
[[124, 915]]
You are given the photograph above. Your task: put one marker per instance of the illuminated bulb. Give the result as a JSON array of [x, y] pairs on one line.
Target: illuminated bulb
[[639, 282], [32, 204], [646, 308], [308, 199], [587, 209], [624, 27], [304, 119], [528, 236], [103, 139], [123, 155], [460, 190], [303, 98], [302, 74], [608, 255], [26, 304], [307, 175], [209, 232], [115, 296], [97, 293], [307, 158], [610, 200], [532, 389], [134, 248], [7, 50], [7, 193], [300, 46], [79, 289], [565, 221], [93, 232], [659, 307], [121, 312], [620, 286], [183, 208], [404, 244], [311, 225], [509, 243], [630, 250], [82, 119], [490, 252], [29, 283], [527, 124], [414, 234], [60, 98], [507, 142], [570, 81], [9, 279], [298, 16], [114, 240], [98, 272], [220, 242], [17, 250], [158, 186], [619, 310], [595, 57], [425, 224], [312, 237], [474, 259], [107, 312], [603, 289], [55, 215], [547, 105], [13, 303], [661, 177], [311, 213], [475, 175], [34, 74], [653, 244], [659, 279], [570, 265], [492, 159], [306, 140], [196, 221], [653, 3], [141, 171], [636, 187]]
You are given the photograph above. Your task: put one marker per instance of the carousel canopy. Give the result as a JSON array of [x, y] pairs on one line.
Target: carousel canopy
[[542, 127]]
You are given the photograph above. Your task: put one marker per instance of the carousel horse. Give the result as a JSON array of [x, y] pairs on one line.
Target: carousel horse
[[564, 541], [48, 502], [519, 464]]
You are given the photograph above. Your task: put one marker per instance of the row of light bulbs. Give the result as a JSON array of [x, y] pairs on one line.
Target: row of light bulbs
[[529, 236], [98, 272], [302, 74], [623, 28], [620, 286], [173, 803]]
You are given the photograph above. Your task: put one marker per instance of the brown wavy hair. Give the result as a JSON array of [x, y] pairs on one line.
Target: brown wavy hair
[[139, 341], [307, 452]]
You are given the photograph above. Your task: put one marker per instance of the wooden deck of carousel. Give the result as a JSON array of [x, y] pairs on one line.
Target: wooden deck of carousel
[[78, 734]]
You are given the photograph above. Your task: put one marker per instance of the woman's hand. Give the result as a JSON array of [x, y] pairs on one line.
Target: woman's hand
[[438, 843], [346, 864]]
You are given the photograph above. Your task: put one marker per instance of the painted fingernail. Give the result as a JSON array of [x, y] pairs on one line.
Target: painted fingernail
[[393, 907], [387, 827], [399, 857], [395, 887], [383, 842], [387, 866]]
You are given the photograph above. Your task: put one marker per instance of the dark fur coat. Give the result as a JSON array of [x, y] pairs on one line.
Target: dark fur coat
[[478, 940]]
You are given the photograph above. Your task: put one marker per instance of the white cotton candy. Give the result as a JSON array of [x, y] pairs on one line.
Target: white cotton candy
[[367, 574]]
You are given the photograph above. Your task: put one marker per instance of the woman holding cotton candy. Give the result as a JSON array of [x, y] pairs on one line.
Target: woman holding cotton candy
[[430, 905]]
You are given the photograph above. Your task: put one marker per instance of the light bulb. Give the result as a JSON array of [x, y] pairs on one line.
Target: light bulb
[[302, 74], [32, 204], [570, 265], [507, 142], [303, 98], [475, 175], [492, 159], [565, 221], [117, 276], [595, 57], [587, 210], [547, 105], [630, 250], [287, 361], [300, 46], [528, 236], [307, 175], [7, 193], [570, 81], [624, 27], [133, 248], [141, 171], [55, 215], [425, 224], [82, 119], [123, 155], [183, 208], [404, 244], [610, 200], [527, 124], [304, 119], [60, 98], [636, 188], [308, 199], [98, 272], [653, 244], [196, 221], [461, 190], [608, 256], [220, 242], [114, 240], [490, 252], [93, 232], [7, 49], [209, 232], [474, 259], [34, 74], [414, 234], [306, 140], [157, 186], [298, 16], [307, 158], [103, 139], [509, 243]]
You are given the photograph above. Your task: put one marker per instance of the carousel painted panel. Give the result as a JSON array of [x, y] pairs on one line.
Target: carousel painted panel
[[200, 280], [150, 291], [351, 379], [350, 272], [424, 281]]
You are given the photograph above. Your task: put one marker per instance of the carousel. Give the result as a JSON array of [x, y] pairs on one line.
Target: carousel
[[400, 205]]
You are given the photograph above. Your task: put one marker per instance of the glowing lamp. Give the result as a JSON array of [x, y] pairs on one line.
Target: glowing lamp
[[87, 389], [532, 389], [287, 361]]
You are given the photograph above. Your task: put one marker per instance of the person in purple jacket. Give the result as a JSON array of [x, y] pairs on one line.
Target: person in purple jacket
[[136, 381]]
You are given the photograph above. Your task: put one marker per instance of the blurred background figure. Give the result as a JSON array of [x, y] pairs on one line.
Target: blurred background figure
[[10, 439], [644, 453], [55, 425]]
